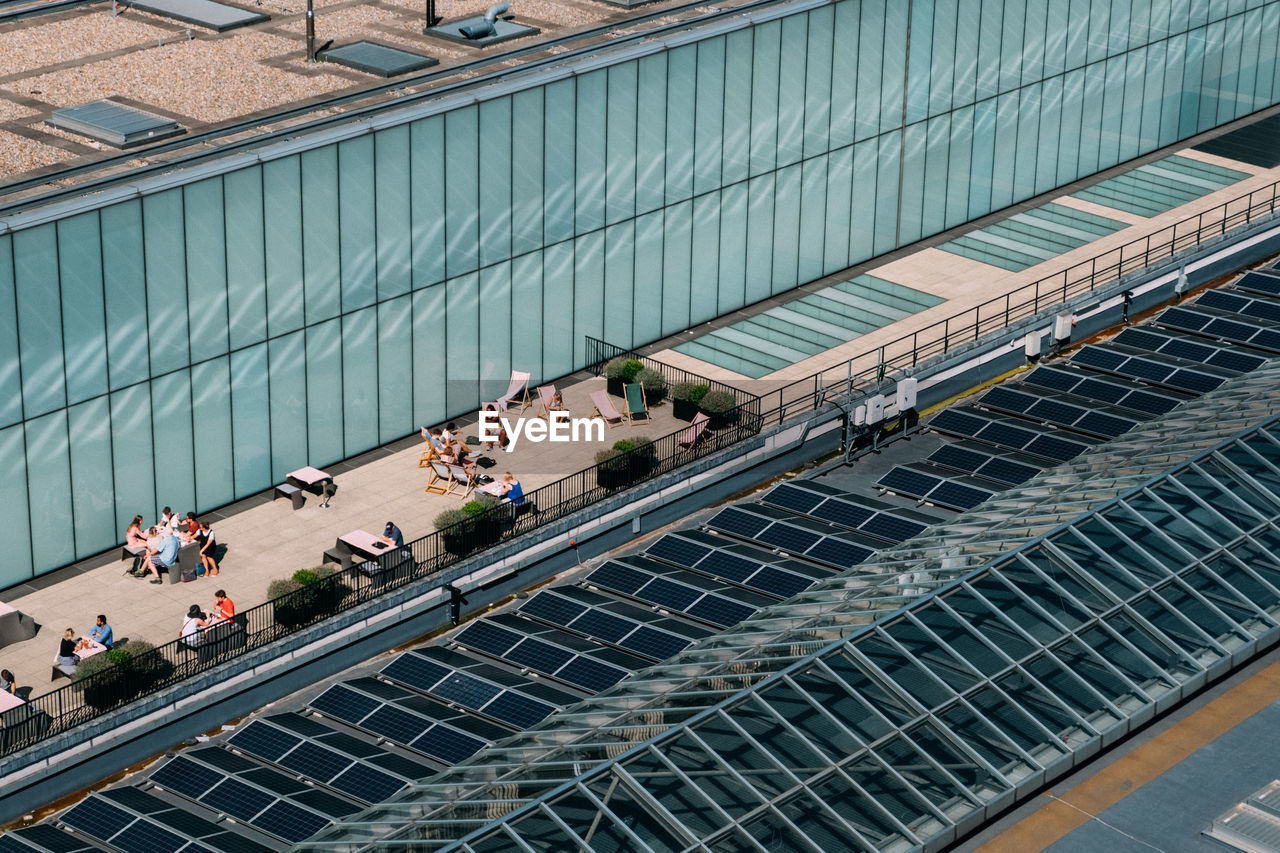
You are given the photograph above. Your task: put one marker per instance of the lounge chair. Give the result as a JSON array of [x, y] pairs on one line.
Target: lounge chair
[[432, 452], [634, 405], [546, 393], [604, 408], [696, 433], [462, 477], [441, 482], [517, 394]]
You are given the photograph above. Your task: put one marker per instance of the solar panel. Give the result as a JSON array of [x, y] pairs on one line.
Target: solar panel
[[315, 761], [1072, 380], [798, 535], [968, 458], [594, 616], [1244, 304], [97, 818], [44, 837], [550, 659], [1257, 282], [1147, 369], [676, 590], [1222, 325], [927, 482], [1192, 351], [864, 514], [145, 837], [965, 422], [566, 640], [1098, 420]]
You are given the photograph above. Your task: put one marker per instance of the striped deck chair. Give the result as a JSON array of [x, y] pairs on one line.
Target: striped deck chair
[[431, 452], [696, 433], [462, 478], [441, 482], [604, 408], [634, 404], [517, 394], [546, 394]]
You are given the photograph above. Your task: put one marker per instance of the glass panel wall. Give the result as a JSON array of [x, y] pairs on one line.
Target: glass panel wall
[[169, 349]]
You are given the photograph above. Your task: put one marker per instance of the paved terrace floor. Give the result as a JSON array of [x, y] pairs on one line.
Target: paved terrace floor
[[268, 539]]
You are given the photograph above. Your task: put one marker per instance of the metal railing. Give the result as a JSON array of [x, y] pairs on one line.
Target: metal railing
[[866, 371], [174, 662]]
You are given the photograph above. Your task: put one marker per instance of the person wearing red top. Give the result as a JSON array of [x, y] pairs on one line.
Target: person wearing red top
[[193, 526], [224, 607]]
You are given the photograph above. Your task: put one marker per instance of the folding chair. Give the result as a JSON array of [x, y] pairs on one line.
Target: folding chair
[[546, 393], [432, 451], [441, 482], [604, 408], [634, 405], [694, 435], [462, 477], [517, 394]]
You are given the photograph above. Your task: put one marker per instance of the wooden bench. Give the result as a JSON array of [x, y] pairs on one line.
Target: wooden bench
[[293, 493]]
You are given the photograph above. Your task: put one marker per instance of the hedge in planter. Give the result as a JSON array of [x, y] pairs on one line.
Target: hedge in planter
[[721, 408], [685, 398], [470, 527], [654, 385], [628, 461], [308, 594], [129, 669], [621, 371]]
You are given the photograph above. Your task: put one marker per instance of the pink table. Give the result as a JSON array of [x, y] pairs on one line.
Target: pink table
[[8, 701], [497, 489], [307, 477], [363, 542]]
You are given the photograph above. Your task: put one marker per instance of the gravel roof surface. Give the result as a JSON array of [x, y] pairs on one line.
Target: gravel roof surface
[[204, 79]]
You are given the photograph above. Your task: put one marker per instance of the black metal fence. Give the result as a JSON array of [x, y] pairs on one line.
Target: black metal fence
[[174, 662]]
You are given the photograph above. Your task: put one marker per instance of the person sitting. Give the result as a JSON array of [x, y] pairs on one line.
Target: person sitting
[[452, 438], [392, 535], [101, 632], [191, 525], [224, 607], [557, 402], [511, 488], [8, 684], [135, 542], [192, 626], [162, 553], [67, 648]]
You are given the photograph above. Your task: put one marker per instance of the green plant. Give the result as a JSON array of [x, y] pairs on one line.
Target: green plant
[[479, 505], [449, 518], [613, 367], [302, 577], [132, 667], [119, 656], [680, 391], [280, 587], [624, 445], [697, 392], [653, 382], [717, 402]]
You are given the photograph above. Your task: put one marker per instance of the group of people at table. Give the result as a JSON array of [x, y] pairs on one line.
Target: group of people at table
[[157, 547], [452, 449], [100, 638]]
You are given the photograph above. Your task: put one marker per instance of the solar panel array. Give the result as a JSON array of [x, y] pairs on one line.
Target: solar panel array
[[677, 590], [548, 658], [278, 804], [616, 623], [760, 571], [865, 515], [970, 457], [477, 686], [1222, 325], [1069, 379], [42, 838], [796, 535], [1265, 282], [938, 486], [1011, 434], [1233, 360], [135, 821], [1098, 421]]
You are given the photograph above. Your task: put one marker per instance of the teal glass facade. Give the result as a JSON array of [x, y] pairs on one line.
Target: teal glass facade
[[191, 344]]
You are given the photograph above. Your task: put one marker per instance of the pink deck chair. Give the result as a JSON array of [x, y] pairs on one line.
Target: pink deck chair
[[546, 394], [517, 394], [441, 482], [605, 409], [462, 477], [693, 436]]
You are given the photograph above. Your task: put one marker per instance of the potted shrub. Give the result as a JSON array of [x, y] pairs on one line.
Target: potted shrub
[[685, 397], [304, 596], [626, 462], [469, 527], [621, 371], [720, 407], [654, 384], [116, 676]]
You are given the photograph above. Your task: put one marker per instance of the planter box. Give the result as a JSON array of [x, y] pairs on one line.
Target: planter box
[[615, 386], [476, 534], [684, 410], [720, 420], [621, 474]]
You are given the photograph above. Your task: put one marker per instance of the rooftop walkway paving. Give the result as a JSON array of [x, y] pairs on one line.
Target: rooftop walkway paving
[[268, 539]]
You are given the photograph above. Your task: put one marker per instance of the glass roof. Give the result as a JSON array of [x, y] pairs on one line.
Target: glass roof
[[912, 698]]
